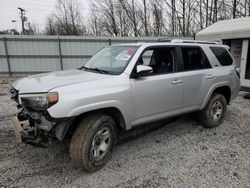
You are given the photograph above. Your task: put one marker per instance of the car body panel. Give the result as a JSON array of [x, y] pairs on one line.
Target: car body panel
[[97, 94], [156, 94], [44, 82], [196, 85]]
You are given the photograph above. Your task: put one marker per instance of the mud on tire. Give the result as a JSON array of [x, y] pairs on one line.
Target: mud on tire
[[93, 141], [214, 112]]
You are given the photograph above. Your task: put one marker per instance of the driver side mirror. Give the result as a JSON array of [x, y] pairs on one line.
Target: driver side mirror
[[142, 70]]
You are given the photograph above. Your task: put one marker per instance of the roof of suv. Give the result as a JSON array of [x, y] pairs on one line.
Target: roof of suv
[[175, 43]]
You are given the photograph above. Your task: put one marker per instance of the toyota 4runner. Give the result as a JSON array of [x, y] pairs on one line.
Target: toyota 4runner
[[121, 87]]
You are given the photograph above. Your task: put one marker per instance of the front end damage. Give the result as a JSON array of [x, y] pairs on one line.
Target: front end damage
[[37, 127]]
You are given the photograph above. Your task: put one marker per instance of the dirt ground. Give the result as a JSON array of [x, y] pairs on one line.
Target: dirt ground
[[179, 154]]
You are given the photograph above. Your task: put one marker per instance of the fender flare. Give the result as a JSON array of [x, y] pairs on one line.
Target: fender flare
[[211, 91], [98, 106]]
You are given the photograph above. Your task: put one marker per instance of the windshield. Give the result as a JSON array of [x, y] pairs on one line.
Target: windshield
[[112, 60]]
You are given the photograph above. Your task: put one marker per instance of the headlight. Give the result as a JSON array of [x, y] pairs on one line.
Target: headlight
[[40, 101]]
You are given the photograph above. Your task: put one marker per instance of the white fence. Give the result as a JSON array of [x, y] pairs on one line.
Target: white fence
[[36, 54]]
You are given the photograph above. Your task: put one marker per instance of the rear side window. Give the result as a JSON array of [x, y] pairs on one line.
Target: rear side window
[[194, 59], [222, 55]]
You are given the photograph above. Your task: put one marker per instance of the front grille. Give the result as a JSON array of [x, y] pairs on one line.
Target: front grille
[[14, 94]]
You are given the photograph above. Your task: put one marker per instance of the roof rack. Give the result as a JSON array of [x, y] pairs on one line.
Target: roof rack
[[193, 41], [165, 40], [186, 41]]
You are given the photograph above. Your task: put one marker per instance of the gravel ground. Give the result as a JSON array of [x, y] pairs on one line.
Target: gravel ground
[[179, 154]]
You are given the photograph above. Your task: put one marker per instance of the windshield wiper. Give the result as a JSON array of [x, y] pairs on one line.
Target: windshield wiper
[[96, 70]]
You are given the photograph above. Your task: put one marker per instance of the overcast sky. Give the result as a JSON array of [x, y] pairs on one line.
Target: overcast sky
[[36, 12]]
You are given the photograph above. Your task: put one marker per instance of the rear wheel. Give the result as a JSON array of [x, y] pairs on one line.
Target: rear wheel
[[214, 112], [93, 141]]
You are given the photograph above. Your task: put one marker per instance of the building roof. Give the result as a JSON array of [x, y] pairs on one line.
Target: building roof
[[226, 29]]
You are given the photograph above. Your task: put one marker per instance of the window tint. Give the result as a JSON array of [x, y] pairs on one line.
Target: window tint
[[160, 59], [222, 55], [194, 58]]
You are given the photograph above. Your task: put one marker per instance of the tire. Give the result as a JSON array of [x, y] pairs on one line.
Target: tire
[[214, 112], [93, 141]]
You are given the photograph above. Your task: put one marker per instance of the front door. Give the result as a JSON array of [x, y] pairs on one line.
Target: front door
[[245, 64], [159, 93]]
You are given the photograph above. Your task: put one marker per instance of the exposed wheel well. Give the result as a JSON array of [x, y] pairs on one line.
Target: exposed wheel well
[[225, 91], [116, 115]]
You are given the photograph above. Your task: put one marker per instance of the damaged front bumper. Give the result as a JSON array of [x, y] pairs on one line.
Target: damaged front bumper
[[27, 136], [33, 128], [27, 131]]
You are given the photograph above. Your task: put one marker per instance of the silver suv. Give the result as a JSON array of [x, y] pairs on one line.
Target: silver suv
[[121, 87]]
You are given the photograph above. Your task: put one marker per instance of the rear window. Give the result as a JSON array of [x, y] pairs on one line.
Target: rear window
[[194, 59], [222, 55]]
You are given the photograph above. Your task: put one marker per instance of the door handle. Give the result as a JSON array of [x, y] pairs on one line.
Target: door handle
[[177, 82], [210, 76]]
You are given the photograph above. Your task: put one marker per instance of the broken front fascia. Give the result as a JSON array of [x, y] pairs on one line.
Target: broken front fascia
[[41, 128], [38, 127]]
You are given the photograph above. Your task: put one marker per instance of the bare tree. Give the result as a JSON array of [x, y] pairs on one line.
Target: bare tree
[[67, 19], [234, 8], [132, 14], [215, 10], [183, 5], [201, 14], [124, 26], [157, 18], [207, 10], [173, 14], [50, 28], [109, 18], [94, 22], [143, 17], [33, 29]]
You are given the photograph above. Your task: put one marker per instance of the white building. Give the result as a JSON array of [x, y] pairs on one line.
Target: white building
[[236, 34]]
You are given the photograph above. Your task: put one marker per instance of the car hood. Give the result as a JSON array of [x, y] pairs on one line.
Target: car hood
[[47, 81]]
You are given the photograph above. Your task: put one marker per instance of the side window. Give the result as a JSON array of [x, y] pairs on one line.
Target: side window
[[194, 59], [222, 55], [147, 57], [160, 59]]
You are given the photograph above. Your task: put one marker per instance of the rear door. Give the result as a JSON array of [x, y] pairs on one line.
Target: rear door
[[198, 76]]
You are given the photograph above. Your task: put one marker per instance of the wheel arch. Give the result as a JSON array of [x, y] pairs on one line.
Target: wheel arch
[[225, 90], [113, 112]]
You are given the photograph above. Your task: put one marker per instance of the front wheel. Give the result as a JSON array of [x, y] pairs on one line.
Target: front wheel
[[93, 141], [214, 112]]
